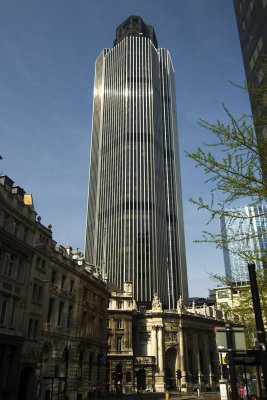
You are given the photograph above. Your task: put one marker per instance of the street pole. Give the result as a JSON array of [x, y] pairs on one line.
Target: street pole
[[230, 348], [258, 320]]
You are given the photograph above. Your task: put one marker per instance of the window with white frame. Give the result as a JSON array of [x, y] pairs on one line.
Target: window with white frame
[[63, 279], [118, 344], [33, 328], [9, 265], [20, 270], [53, 277], [12, 313], [222, 294], [60, 312], [71, 286], [69, 318], [119, 324], [120, 305], [37, 292], [50, 310]]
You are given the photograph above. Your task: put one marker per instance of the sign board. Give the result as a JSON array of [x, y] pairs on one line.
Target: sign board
[[223, 391], [248, 357], [238, 336], [224, 359], [27, 199]]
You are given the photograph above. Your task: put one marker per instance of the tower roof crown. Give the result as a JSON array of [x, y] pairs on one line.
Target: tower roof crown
[[135, 26]]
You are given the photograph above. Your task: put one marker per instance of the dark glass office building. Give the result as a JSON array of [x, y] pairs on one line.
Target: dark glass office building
[[251, 16], [135, 220]]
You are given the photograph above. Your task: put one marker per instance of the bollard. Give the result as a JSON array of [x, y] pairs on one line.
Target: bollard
[[198, 392]]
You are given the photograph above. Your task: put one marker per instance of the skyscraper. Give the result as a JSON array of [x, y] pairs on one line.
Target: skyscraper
[[249, 232], [135, 219]]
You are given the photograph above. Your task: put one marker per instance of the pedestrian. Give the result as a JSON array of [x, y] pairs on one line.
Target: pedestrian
[[241, 392], [247, 392], [94, 392], [167, 395]]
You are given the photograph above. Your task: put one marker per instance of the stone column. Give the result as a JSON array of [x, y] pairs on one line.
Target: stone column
[[202, 351], [182, 356], [130, 327], [196, 358], [160, 349], [159, 372], [217, 368], [154, 343], [207, 360]]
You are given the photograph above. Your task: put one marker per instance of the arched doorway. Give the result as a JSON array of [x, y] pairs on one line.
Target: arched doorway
[[141, 379], [26, 384], [170, 361]]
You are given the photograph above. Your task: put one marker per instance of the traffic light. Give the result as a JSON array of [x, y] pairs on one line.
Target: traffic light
[[178, 374]]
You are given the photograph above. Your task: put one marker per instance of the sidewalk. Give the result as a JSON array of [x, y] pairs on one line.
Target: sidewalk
[[161, 396], [202, 396]]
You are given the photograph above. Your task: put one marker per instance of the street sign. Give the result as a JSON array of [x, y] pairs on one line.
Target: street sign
[[225, 358], [223, 390], [249, 357]]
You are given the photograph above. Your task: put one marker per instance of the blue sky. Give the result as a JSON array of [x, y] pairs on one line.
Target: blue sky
[[48, 50]]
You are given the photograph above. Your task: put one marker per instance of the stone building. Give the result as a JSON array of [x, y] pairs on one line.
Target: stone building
[[23, 262], [53, 309], [74, 337], [120, 360], [147, 347]]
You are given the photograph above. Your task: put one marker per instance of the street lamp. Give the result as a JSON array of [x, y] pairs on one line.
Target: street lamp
[[258, 320]]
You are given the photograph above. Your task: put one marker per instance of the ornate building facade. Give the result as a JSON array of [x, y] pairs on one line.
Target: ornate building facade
[[147, 347], [53, 309]]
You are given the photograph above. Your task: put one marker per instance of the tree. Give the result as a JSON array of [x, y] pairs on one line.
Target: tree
[[237, 173], [239, 307]]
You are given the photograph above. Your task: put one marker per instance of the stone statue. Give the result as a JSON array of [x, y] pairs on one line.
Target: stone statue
[[180, 306], [156, 303]]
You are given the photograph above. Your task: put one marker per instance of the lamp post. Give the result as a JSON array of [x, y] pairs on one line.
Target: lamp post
[[258, 320], [230, 348]]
